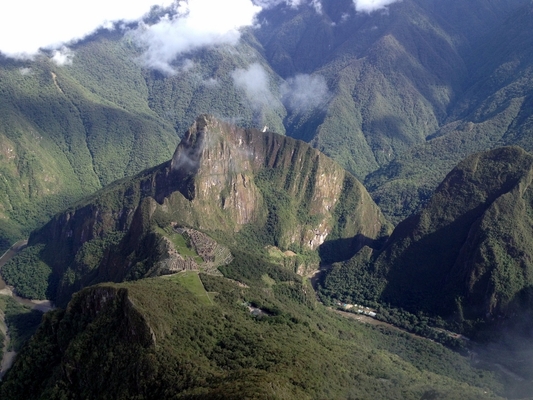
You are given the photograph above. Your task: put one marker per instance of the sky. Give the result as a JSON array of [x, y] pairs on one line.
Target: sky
[[30, 25]]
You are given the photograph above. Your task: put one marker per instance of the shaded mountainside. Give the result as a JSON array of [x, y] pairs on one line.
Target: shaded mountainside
[[467, 254], [247, 188], [492, 110], [156, 338], [61, 140], [380, 97]]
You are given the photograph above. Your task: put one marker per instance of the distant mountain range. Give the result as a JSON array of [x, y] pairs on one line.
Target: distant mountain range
[[383, 157], [397, 97]]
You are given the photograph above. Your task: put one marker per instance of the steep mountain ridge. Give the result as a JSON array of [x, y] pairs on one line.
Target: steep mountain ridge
[[221, 180], [379, 90], [466, 255]]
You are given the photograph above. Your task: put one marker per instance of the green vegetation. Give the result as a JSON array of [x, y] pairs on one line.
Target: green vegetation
[[29, 274], [183, 246], [181, 242], [61, 138], [67, 131], [186, 349], [462, 257], [126, 230], [191, 280], [398, 114], [21, 321]]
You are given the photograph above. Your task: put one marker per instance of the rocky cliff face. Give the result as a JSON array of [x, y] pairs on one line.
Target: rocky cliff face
[[222, 163], [220, 179], [217, 162]]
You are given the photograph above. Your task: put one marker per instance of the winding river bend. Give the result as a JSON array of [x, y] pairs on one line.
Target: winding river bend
[[42, 305]]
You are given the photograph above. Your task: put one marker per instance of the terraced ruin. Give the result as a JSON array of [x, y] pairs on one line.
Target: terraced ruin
[[204, 253]]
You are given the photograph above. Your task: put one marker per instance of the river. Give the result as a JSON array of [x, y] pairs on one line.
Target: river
[[8, 357]]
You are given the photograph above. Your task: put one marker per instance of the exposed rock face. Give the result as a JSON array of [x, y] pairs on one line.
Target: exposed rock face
[[220, 178], [219, 165], [221, 162]]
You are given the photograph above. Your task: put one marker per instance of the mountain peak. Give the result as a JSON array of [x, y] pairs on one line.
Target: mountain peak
[[459, 252]]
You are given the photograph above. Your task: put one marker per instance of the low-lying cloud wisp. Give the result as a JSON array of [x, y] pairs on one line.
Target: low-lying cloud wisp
[[196, 23], [369, 6], [62, 56], [255, 83], [304, 92], [299, 94]]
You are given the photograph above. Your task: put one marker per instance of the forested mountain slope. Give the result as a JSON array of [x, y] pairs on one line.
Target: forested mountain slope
[[247, 188], [60, 139], [493, 109], [160, 338], [466, 255], [406, 92]]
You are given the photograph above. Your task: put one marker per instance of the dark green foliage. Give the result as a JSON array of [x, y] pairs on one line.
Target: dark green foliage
[[464, 256], [281, 206], [82, 268], [201, 351], [353, 281], [251, 267], [21, 321], [29, 274], [44, 352]]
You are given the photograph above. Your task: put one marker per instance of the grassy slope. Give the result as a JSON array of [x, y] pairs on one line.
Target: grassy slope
[[212, 351]]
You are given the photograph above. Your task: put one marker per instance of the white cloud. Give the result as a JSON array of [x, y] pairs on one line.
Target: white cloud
[[316, 4], [27, 26], [304, 92], [369, 6], [255, 83], [25, 71], [298, 94], [211, 82], [31, 25], [62, 56], [197, 23], [274, 3]]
